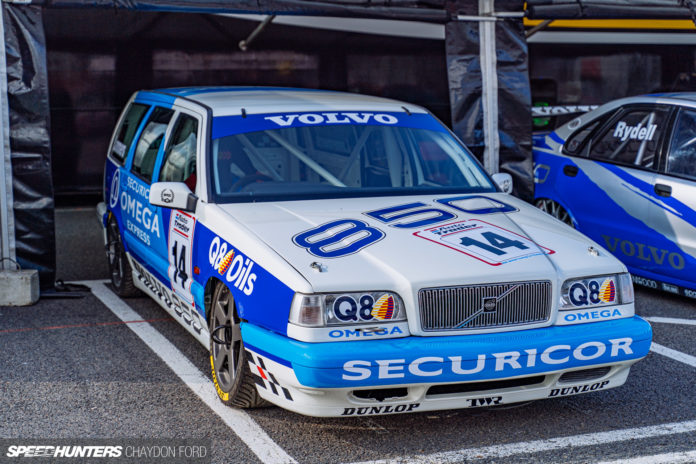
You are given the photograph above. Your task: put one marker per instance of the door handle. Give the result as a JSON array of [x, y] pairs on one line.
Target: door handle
[[663, 190], [570, 170]]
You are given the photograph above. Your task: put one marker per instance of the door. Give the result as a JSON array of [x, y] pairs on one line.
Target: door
[[143, 231], [675, 219], [609, 189], [179, 165]]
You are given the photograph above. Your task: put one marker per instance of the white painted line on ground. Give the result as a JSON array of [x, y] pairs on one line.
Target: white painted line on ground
[[684, 457], [671, 320], [673, 354], [537, 446], [240, 422]]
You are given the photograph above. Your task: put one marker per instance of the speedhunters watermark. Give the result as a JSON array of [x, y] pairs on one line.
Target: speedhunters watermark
[[107, 450]]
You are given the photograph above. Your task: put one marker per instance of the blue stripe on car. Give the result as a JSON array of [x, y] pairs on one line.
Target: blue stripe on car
[[323, 365]]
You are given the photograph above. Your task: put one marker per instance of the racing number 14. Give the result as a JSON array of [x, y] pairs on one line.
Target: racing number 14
[[179, 263], [496, 243], [181, 228]]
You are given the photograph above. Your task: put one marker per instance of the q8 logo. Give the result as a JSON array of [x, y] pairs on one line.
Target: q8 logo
[[592, 292], [350, 308]]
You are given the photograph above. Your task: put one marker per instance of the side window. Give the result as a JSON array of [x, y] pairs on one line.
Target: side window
[[180, 155], [149, 143], [632, 138], [682, 149], [126, 131]]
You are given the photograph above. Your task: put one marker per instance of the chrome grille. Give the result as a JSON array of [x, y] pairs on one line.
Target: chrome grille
[[464, 307]]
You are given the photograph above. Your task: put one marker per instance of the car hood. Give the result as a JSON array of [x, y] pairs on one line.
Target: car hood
[[522, 243]]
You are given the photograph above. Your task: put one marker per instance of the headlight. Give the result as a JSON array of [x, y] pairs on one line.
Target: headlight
[[596, 291], [332, 309]]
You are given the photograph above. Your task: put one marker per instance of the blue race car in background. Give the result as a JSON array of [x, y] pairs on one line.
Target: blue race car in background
[[625, 175]]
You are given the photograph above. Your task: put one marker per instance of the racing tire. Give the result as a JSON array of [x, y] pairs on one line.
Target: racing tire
[[229, 363], [554, 209], [119, 267]]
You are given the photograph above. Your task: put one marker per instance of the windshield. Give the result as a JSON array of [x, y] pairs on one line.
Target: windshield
[[324, 161]]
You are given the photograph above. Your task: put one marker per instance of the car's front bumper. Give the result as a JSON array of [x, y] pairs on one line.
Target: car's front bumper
[[337, 378]]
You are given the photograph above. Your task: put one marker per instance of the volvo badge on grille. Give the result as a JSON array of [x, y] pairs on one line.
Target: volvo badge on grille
[[489, 305]]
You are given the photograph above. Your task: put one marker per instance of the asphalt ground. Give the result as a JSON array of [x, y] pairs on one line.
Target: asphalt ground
[[71, 368]]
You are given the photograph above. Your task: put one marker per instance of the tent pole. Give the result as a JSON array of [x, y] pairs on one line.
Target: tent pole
[[7, 239], [489, 86], [244, 44]]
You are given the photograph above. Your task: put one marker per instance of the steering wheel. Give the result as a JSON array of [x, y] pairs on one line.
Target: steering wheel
[[249, 179]]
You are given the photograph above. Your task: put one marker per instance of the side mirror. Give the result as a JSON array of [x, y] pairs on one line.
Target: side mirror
[[173, 195], [502, 179]]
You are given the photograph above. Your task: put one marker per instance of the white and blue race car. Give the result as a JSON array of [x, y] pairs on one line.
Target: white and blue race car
[[345, 255], [625, 175]]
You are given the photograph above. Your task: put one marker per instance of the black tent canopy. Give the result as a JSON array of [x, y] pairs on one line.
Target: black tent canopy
[[487, 75]]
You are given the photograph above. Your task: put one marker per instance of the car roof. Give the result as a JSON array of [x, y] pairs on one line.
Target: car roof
[[229, 101], [683, 96], [672, 98]]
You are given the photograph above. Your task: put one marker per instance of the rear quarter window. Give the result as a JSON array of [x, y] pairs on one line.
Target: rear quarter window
[[126, 131]]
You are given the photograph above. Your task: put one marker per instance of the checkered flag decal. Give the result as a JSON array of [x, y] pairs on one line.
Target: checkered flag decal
[[263, 378]]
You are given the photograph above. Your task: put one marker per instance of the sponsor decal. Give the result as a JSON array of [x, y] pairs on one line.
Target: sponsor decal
[[346, 309], [484, 241], [640, 132], [650, 283], [383, 309], [224, 264], [288, 120], [556, 110], [360, 333], [181, 309], [607, 292], [374, 410], [115, 187], [417, 215], [167, 195], [644, 282], [224, 396], [146, 221], [592, 292], [555, 356], [670, 288], [410, 215], [477, 204], [580, 316], [138, 188], [644, 252], [181, 229], [265, 379], [567, 391], [476, 402], [349, 235], [235, 267]]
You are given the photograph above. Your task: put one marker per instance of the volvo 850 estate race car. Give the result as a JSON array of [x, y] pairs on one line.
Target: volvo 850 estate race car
[[346, 255], [625, 175]]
